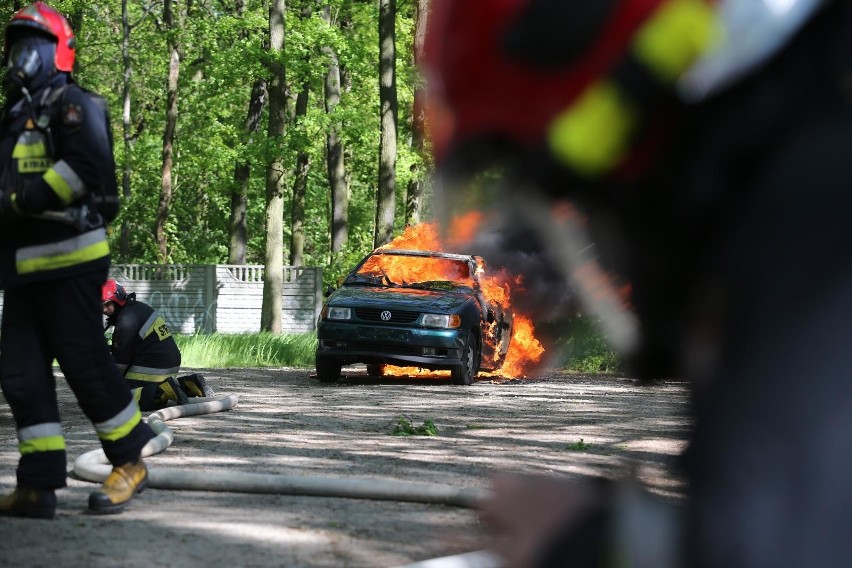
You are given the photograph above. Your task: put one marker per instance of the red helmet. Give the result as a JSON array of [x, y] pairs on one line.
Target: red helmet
[[510, 71], [112, 291], [42, 18]]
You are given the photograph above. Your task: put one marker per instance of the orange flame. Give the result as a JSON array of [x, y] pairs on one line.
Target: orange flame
[[525, 350]]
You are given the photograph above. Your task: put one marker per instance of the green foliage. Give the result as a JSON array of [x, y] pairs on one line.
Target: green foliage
[[223, 53], [221, 350], [404, 427], [579, 446], [582, 346]]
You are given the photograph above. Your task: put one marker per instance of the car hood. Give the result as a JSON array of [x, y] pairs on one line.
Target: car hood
[[399, 298]]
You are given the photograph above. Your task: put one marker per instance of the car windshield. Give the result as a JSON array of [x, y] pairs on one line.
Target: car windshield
[[413, 271]]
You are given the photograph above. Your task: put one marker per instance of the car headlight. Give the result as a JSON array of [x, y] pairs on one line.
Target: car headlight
[[441, 320], [336, 313]]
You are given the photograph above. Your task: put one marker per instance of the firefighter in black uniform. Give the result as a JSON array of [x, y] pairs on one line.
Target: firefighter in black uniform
[[55, 157], [705, 144], [146, 352]]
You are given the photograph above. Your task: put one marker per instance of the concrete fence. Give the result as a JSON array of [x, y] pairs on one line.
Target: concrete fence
[[196, 298]]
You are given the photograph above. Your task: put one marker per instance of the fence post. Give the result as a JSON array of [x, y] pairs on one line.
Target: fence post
[[318, 295], [211, 294]]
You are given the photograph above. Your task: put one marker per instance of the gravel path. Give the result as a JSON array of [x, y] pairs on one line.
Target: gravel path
[[287, 423]]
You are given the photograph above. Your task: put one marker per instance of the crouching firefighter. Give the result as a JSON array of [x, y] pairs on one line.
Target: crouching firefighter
[[55, 159], [146, 352]]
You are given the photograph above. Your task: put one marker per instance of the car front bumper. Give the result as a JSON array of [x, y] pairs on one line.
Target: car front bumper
[[405, 346]]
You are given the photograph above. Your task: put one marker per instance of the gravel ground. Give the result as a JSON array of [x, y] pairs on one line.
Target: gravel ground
[[289, 424]]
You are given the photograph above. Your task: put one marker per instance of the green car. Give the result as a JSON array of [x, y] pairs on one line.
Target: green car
[[413, 308]]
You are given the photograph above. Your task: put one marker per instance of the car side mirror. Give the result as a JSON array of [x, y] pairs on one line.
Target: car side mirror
[[329, 291]]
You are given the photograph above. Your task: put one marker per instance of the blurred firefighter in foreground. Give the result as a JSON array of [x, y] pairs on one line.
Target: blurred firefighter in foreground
[[56, 165], [146, 352], [705, 148]]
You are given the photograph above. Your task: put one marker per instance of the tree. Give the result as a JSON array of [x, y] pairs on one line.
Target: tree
[[238, 226], [334, 151], [273, 281], [173, 25], [386, 194], [414, 194]]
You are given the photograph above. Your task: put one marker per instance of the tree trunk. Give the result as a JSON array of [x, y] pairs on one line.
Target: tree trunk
[[334, 155], [167, 189], [242, 171], [124, 243], [273, 281], [300, 187], [414, 195], [386, 195]]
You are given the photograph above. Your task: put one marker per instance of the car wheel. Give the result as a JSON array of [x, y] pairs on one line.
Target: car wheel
[[464, 373], [328, 370], [375, 369]]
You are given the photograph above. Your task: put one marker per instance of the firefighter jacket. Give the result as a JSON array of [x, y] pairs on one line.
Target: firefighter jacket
[[55, 158], [142, 343]]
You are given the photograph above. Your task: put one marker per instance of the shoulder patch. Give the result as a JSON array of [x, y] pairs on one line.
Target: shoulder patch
[[72, 114]]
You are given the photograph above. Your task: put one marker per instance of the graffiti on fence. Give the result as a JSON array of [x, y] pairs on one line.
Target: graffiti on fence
[[181, 308]]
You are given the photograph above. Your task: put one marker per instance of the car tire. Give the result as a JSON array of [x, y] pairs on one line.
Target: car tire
[[328, 370], [376, 369], [464, 373]]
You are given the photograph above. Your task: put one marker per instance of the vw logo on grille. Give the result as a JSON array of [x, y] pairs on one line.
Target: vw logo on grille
[[385, 315]]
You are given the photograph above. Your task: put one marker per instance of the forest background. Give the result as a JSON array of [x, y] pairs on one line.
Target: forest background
[[265, 132]]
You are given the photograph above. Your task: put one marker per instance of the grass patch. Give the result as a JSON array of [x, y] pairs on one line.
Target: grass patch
[[579, 446], [582, 346], [404, 427], [232, 350]]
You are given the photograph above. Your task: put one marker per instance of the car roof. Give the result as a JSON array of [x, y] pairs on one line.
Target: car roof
[[426, 253]]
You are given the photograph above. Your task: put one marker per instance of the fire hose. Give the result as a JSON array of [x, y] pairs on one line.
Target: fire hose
[[93, 466]]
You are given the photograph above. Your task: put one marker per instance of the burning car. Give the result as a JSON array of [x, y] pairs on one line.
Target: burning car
[[413, 308]]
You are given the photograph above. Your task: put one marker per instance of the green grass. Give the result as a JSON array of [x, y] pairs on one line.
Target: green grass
[[579, 446], [582, 346], [232, 350], [404, 427]]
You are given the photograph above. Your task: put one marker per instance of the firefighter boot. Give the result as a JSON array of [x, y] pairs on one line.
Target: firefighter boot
[[29, 502], [169, 393], [118, 489], [195, 385]]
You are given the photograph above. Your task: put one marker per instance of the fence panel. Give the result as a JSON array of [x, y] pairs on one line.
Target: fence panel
[[195, 298]]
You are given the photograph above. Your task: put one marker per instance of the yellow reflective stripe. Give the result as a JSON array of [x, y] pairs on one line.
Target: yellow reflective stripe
[[155, 324], [675, 35], [137, 394], [59, 186], [76, 250], [148, 376], [121, 424], [47, 444], [64, 181], [148, 326], [592, 135], [29, 147], [45, 437]]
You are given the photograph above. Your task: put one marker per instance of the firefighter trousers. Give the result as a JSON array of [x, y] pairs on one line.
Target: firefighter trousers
[[61, 319]]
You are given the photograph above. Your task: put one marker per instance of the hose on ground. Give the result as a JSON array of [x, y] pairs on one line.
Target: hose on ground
[[93, 466]]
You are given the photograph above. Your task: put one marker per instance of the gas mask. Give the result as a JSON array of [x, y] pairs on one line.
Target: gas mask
[[29, 65]]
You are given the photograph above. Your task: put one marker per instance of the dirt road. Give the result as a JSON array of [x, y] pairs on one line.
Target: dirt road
[[288, 423]]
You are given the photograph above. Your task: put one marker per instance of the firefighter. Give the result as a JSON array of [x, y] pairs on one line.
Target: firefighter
[[55, 156], [146, 352], [697, 152]]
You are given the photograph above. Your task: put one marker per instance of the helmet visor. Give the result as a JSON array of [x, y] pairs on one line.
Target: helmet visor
[[24, 59]]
